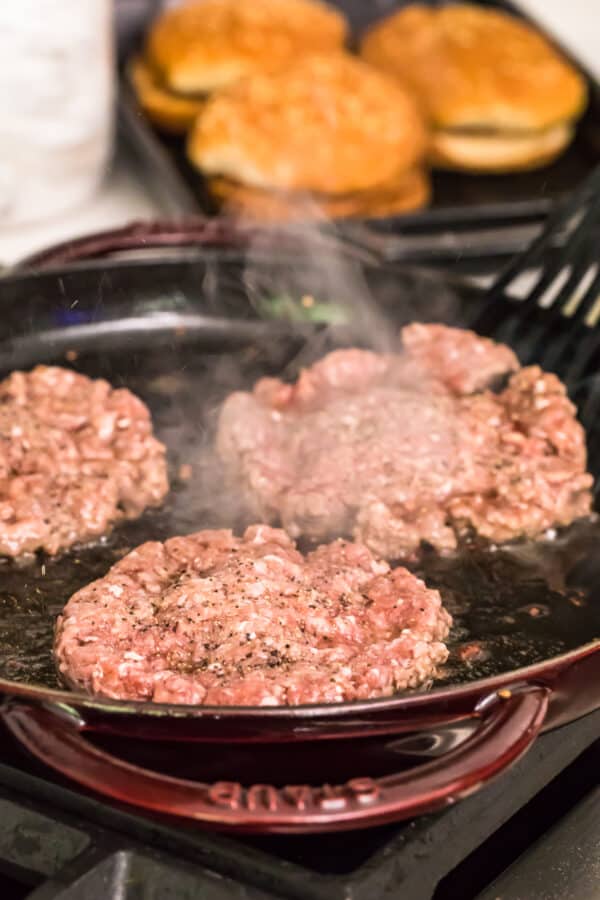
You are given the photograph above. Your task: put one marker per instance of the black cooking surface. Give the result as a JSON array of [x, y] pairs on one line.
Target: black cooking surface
[[512, 606]]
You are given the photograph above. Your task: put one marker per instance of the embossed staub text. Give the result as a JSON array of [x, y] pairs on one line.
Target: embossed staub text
[[266, 798]]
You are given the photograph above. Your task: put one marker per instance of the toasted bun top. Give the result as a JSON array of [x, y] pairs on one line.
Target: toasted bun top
[[329, 124], [476, 68], [204, 45]]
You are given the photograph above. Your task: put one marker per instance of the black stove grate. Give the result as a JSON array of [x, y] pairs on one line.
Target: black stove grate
[[57, 843]]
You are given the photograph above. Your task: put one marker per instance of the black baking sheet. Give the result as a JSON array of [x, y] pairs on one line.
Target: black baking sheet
[[470, 216]]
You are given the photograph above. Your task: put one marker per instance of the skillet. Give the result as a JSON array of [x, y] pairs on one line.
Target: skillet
[[182, 331]]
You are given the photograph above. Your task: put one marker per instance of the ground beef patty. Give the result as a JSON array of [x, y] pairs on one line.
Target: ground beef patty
[[75, 457], [215, 619], [400, 449]]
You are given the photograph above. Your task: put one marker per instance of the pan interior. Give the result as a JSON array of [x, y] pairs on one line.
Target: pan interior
[[512, 606]]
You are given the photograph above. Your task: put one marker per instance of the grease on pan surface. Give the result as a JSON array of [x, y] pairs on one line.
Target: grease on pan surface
[[497, 94]]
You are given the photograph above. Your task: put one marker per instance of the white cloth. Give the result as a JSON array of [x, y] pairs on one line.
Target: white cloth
[[57, 100]]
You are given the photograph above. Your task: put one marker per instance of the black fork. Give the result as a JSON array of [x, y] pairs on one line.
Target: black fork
[[555, 320]]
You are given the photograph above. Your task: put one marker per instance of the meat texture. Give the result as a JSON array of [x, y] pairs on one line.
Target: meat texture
[[397, 450], [215, 619], [75, 457]]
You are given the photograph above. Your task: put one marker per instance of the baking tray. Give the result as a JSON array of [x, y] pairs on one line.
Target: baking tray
[[473, 220]]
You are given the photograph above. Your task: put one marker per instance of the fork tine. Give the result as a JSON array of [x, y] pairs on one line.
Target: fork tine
[[573, 252], [580, 267], [544, 329], [556, 222], [590, 296], [555, 334], [573, 353], [584, 352]]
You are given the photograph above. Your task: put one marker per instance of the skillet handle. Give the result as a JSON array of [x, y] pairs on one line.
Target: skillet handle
[[156, 233], [509, 722], [190, 232]]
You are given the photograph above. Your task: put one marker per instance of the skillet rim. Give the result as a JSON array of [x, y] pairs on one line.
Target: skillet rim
[[67, 700]]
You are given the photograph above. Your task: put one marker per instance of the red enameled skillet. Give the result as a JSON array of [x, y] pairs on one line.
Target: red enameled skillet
[[170, 327]]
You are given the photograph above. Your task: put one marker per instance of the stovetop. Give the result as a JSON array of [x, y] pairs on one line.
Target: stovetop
[[534, 834]]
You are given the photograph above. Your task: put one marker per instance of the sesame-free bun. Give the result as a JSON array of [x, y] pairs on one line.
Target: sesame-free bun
[[204, 45], [499, 152], [404, 193], [473, 67], [168, 111], [329, 124]]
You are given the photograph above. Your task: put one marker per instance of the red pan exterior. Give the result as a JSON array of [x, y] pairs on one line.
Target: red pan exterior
[[500, 717], [573, 680], [500, 724], [192, 231], [508, 723]]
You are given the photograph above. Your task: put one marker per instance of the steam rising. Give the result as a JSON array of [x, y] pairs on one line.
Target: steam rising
[[313, 261], [337, 277]]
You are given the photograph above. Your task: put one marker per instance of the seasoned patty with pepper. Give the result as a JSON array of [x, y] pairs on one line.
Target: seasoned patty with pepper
[[215, 619]]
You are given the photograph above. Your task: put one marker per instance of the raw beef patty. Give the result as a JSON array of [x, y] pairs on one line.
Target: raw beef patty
[[216, 619], [75, 457], [396, 450]]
